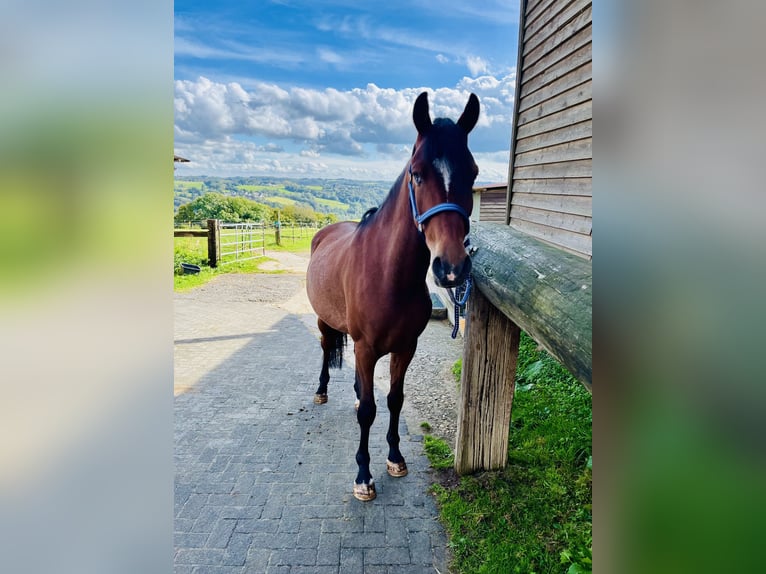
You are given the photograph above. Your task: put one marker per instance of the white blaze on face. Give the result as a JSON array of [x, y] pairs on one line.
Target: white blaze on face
[[443, 167]]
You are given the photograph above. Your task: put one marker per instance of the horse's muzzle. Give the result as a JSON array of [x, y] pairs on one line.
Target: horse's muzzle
[[448, 275]]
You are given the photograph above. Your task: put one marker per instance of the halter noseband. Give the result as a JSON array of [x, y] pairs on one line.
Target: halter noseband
[[447, 206]]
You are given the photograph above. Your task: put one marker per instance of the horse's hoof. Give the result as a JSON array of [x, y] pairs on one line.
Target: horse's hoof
[[365, 492], [320, 399], [396, 469]]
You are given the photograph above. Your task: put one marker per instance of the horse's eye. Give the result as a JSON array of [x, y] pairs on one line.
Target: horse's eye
[[418, 179]]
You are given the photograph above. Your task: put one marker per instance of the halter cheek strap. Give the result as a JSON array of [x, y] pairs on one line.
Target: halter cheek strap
[[441, 207]]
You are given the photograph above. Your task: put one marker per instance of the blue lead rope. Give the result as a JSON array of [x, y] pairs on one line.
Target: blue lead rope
[[459, 303]]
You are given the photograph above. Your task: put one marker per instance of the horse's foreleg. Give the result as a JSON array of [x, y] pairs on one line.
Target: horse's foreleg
[[364, 486], [399, 362]]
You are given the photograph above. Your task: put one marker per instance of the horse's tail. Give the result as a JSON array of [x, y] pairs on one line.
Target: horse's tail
[[337, 341]]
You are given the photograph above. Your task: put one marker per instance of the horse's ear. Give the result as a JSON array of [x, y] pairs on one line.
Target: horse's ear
[[420, 114], [470, 115]]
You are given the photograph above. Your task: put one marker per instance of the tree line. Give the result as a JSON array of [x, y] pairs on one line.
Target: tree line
[[240, 209]]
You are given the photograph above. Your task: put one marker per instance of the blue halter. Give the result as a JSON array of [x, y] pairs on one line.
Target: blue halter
[[422, 218]]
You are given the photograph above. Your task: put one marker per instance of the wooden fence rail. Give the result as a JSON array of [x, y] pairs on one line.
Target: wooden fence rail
[[519, 282]]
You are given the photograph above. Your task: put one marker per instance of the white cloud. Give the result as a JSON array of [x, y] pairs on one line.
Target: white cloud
[[477, 65], [442, 59], [329, 56], [227, 129]]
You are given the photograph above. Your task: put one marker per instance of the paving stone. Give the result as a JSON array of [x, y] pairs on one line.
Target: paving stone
[[352, 560], [222, 531], [263, 475], [386, 555]]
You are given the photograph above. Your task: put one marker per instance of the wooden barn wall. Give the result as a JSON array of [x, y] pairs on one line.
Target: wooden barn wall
[[550, 195], [492, 206]]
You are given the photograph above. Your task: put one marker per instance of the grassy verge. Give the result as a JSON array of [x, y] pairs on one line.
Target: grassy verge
[[194, 250], [535, 515]]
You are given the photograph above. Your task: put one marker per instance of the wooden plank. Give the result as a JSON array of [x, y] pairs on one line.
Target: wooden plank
[[494, 204], [542, 289], [579, 168], [533, 93], [541, 25], [564, 117], [533, 4], [531, 85], [490, 352], [535, 8], [570, 98], [190, 233], [576, 223], [572, 132], [557, 186], [568, 151], [575, 241], [560, 56], [559, 69], [494, 217], [573, 204], [516, 96], [571, 28], [547, 10]]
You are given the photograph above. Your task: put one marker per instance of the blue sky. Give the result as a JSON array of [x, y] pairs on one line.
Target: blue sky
[[294, 88]]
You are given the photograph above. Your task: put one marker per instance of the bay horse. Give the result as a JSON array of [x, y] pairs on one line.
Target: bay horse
[[368, 279]]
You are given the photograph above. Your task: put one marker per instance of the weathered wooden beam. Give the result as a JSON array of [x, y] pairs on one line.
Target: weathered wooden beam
[[190, 232], [544, 290], [486, 388]]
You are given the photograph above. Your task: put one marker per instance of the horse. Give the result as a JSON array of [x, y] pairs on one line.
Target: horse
[[368, 279]]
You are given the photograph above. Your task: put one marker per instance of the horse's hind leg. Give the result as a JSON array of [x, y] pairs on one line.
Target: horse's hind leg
[[332, 357], [399, 362]]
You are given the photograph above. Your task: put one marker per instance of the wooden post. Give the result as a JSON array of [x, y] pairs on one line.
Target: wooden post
[[491, 349], [278, 232], [212, 242]]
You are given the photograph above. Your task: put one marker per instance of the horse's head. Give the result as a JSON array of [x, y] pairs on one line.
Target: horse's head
[[441, 176]]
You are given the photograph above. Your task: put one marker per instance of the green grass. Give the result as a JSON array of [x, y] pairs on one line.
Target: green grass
[[535, 515], [457, 369], [438, 452]]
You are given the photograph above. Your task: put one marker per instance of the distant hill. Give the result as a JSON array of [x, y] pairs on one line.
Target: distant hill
[[348, 199]]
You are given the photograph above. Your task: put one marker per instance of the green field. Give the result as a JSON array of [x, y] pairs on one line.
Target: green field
[[189, 184], [280, 200], [332, 204]]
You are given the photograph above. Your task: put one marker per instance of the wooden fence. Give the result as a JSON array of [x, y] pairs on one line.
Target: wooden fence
[[520, 282], [232, 242]]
